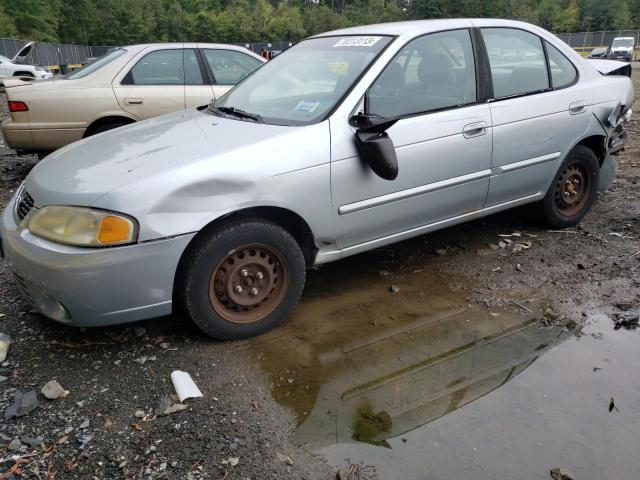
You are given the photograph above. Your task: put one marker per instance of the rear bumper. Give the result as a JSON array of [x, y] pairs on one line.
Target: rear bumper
[[22, 137], [92, 287]]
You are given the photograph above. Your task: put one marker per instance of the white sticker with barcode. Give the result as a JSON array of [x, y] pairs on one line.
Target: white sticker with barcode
[[357, 42]]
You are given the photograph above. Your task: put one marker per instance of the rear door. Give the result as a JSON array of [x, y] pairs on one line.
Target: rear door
[[158, 81], [539, 108], [227, 67]]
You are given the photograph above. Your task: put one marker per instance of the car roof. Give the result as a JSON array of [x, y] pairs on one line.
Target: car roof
[[417, 27], [142, 46]]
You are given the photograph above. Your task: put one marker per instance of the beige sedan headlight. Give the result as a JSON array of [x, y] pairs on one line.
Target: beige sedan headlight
[[82, 226]]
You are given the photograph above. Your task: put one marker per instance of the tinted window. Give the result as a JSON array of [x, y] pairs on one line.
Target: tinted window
[[563, 72], [517, 61], [229, 67], [431, 72], [166, 67]]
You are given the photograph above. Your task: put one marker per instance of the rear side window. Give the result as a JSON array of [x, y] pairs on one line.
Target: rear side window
[[430, 73], [229, 66], [563, 73], [166, 67], [517, 61]]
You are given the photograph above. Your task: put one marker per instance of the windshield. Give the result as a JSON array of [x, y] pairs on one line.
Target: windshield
[[97, 63], [303, 84], [622, 43]]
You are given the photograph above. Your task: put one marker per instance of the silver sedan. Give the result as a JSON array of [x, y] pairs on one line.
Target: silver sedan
[[348, 141]]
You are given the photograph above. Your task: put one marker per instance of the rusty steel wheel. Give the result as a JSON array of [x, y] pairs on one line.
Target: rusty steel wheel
[[572, 189], [248, 283], [240, 278]]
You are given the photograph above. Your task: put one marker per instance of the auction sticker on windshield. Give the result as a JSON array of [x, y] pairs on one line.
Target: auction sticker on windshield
[[357, 42]]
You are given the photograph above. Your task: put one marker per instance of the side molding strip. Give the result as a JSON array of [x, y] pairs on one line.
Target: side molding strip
[[510, 167], [412, 192]]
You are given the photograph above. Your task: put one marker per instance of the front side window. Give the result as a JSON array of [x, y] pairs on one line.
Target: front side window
[[430, 73], [166, 67], [300, 86], [228, 66], [97, 63], [517, 61], [563, 73]]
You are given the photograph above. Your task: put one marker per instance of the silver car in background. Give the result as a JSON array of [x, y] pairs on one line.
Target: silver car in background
[[348, 141]]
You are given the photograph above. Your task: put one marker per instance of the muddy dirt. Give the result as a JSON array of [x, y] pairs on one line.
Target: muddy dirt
[[446, 356]]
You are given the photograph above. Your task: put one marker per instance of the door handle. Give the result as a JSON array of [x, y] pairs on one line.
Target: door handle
[[476, 129], [578, 107], [133, 101]]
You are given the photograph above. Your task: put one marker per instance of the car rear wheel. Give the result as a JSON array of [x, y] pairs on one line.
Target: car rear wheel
[[242, 278], [106, 126], [573, 190]]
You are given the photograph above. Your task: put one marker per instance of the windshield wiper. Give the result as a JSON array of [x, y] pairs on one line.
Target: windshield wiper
[[236, 112]]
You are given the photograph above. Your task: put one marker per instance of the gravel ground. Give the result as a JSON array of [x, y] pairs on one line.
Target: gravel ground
[[112, 373]]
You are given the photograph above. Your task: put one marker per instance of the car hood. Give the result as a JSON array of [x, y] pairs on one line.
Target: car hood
[[84, 171]]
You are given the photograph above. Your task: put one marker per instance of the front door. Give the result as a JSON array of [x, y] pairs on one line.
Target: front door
[[443, 143]]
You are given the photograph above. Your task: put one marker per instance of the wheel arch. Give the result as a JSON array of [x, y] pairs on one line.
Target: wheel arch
[[23, 73], [287, 219], [107, 119], [596, 143]]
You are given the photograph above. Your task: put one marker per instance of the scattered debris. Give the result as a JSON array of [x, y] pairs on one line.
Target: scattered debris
[[23, 403], [626, 320], [612, 406], [441, 252], [53, 390], [176, 407], [284, 458], [5, 340], [139, 414], [184, 385], [561, 474], [231, 461], [394, 289]]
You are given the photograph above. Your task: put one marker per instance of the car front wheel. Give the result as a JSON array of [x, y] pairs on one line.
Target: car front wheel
[[242, 278], [573, 190]]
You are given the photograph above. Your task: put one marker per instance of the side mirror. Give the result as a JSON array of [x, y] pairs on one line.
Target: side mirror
[[376, 147]]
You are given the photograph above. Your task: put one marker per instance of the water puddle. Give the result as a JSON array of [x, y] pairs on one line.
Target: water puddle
[[418, 384]]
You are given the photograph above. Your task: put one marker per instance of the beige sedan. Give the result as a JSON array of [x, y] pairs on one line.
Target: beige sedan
[[123, 86]]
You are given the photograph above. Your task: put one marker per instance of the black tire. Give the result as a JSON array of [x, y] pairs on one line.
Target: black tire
[[556, 212], [107, 126], [198, 273]]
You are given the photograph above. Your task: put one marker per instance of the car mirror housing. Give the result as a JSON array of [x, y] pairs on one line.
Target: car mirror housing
[[377, 149]]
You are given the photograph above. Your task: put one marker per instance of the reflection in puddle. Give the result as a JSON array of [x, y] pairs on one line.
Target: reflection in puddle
[[359, 363], [452, 390]]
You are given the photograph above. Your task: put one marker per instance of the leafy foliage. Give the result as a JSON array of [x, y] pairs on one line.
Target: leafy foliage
[[117, 22]]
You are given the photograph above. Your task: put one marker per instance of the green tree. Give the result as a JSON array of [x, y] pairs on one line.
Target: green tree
[[7, 25]]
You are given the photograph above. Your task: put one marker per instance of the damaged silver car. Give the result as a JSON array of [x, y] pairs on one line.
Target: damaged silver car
[[348, 141]]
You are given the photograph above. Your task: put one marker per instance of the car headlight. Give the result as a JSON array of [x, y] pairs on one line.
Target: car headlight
[[40, 69], [84, 227]]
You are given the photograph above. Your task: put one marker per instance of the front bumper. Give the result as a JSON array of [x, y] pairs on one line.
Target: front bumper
[[88, 286]]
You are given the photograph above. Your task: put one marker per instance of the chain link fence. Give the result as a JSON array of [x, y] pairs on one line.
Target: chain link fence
[[584, 42], [51, 54], [55, 54]]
